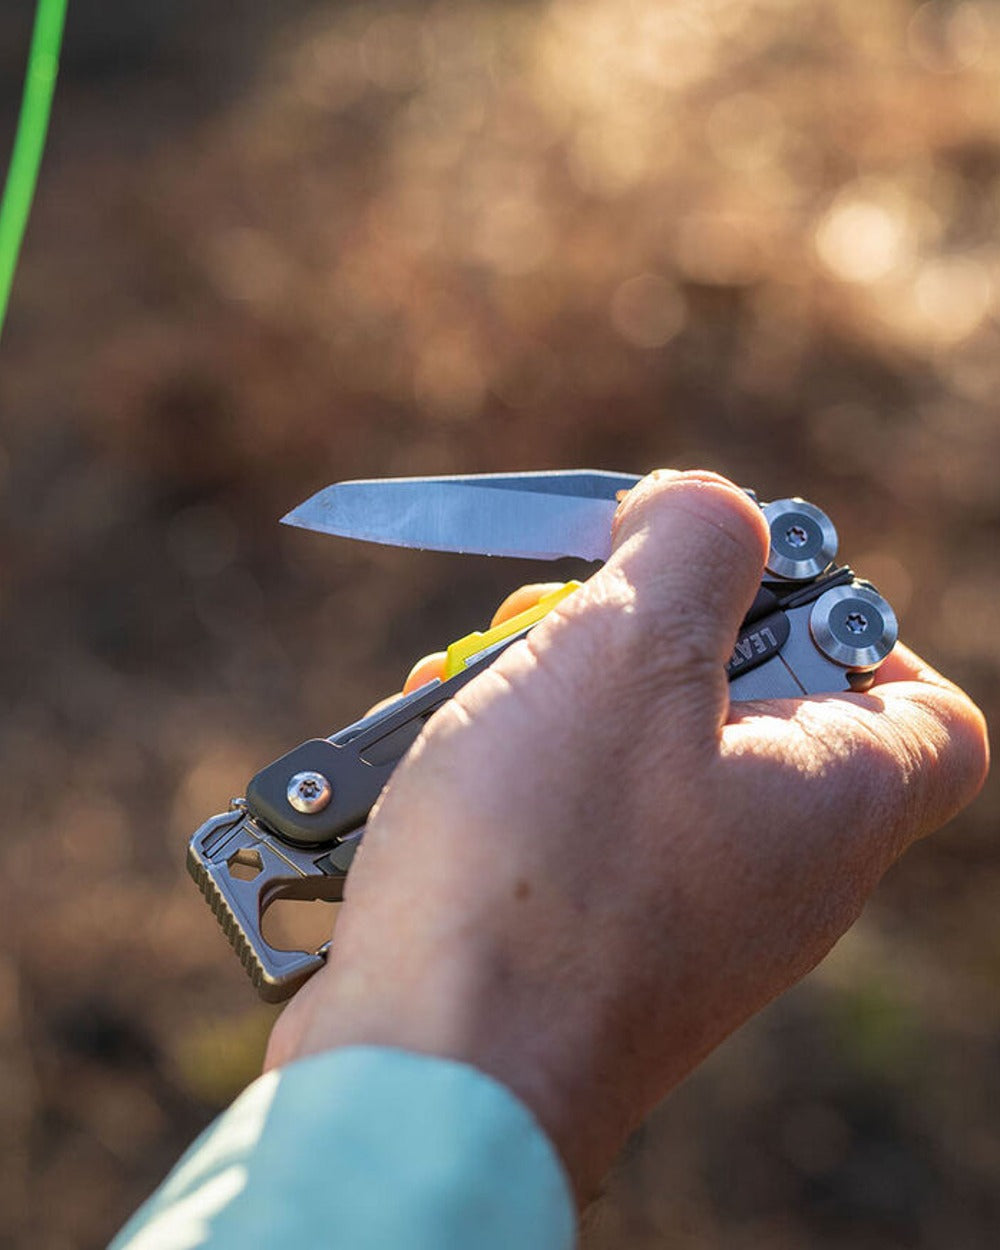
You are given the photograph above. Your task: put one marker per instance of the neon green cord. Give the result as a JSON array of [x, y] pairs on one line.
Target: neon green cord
[[29, 143]]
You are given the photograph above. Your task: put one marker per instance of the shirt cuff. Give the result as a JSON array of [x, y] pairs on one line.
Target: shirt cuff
[[369, 1148]]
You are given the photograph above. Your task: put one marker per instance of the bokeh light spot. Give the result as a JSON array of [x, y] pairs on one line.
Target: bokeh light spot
[[863, 238], [954, 294], [647, 310], [946, 38]]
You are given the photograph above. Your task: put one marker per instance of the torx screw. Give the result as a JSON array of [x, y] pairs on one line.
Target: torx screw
[[856, 622], [309, 792], [796, 536]]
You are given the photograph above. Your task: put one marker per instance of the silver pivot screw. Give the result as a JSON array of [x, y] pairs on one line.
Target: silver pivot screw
[[803, 539], [853, 626], [309, 792]]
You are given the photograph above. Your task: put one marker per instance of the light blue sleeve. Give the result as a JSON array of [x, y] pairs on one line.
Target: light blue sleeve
[[364, 1148]]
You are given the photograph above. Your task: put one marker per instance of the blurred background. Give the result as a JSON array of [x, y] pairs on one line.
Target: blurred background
[[277, 246]]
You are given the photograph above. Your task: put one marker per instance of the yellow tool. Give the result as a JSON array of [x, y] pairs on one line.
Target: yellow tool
[[473, 645]]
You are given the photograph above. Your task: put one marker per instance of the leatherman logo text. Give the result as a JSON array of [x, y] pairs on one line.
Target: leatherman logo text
[[753, 646]]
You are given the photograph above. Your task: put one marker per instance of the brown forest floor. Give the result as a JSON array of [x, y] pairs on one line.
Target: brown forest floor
[[350, 240]]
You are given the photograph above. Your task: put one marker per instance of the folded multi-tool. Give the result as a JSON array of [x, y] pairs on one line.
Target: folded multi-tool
[[813, 628]]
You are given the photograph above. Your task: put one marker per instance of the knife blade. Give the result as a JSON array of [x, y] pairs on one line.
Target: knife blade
[[536, 516]]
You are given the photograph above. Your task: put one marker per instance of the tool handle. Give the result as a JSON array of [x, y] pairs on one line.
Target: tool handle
[[357, 761], [221, 845]]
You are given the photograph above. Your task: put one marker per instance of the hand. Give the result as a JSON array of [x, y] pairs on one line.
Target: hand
[[590, 868]]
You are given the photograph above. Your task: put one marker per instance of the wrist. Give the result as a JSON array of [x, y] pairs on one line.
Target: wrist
[[466, 1008]]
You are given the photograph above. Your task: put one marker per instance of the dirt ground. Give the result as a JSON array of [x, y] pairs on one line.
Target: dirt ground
[[278, 246]]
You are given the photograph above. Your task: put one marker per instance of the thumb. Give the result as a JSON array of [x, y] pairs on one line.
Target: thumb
[[689, 552]]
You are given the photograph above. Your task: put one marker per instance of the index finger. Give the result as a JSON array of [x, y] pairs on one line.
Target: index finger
[[902, 664], [914, 749]]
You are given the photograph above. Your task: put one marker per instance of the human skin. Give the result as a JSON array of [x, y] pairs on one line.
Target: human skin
[[591, 868]]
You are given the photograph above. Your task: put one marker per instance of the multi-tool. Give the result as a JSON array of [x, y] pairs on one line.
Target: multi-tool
[[813, 628]]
